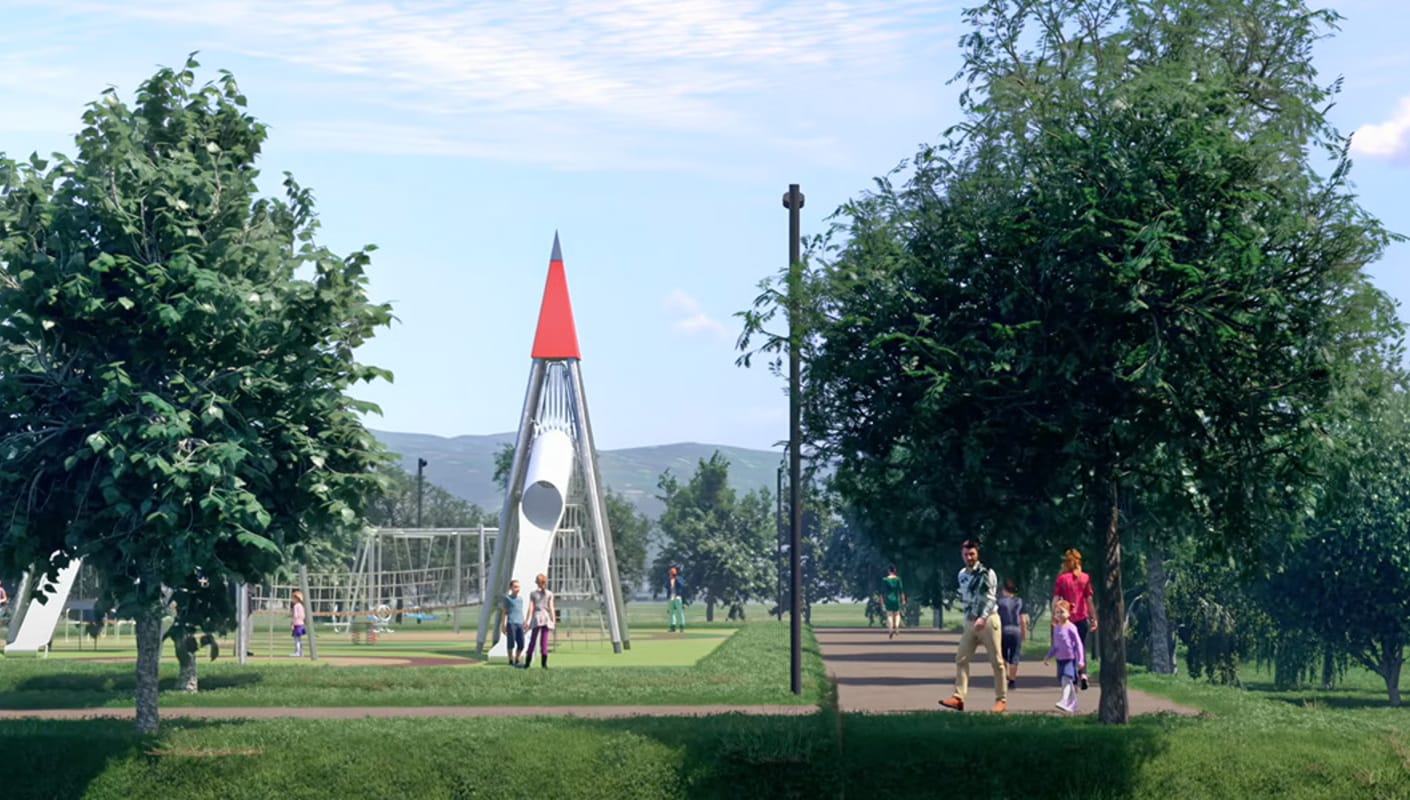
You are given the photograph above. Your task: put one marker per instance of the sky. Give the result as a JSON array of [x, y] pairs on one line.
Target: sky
[[655, 138]]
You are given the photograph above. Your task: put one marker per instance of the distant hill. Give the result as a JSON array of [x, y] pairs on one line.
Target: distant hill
[[464, 466]]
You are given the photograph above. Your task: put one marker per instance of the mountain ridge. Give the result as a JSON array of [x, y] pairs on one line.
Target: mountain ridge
[[464, 465]]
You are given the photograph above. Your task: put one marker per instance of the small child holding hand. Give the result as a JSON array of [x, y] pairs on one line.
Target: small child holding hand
[[1071, 655]]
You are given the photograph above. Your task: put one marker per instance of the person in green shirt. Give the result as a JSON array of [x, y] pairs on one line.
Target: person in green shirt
[[893, 596], [675, 595]]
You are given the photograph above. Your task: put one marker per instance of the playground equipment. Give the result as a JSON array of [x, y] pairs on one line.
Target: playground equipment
[[32, 627], [555, 463], [425, 575]]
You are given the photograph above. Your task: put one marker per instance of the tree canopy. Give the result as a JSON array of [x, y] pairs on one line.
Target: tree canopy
[[177, 353], [1134, 266], [721, 542]]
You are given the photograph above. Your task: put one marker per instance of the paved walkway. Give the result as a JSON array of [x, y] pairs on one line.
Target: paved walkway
[[916, 670]]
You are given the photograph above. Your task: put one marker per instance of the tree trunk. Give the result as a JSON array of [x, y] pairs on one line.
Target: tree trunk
[[1393, 658], [709, 610], [1329, 670], [1161, 661], [187, 681], [149, 652], [1113, 708]]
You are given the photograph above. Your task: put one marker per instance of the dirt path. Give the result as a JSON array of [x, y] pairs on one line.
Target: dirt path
[[916, 670], [359, 712]]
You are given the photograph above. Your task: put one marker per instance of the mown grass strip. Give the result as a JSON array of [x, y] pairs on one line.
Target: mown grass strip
[[749, 668]]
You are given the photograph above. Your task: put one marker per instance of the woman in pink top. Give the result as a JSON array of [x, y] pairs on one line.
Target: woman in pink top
[[1075, 586]]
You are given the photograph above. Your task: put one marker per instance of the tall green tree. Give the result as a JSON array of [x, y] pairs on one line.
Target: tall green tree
[[1344, 589], [723, 543], [1140, 243], [177, 353]]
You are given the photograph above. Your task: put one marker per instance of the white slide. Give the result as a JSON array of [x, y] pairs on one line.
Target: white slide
[[540, 510], [36, 623]]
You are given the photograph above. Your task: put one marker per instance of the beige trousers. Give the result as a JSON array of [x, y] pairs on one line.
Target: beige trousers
[[992, 638]]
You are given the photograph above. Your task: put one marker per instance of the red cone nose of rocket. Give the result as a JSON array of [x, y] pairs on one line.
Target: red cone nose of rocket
[[557, 336]]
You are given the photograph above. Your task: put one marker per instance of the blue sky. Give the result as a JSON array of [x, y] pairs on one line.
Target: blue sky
[[657, 138]]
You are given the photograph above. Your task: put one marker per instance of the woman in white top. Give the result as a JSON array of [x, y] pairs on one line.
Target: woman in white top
[[542, 617]]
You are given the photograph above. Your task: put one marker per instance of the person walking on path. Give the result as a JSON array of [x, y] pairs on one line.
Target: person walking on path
[[1070, 654], [1015, 629], [893, 595], [514, 619], [675, 596], [1075, 586], [543, 616], [298, 618], [978, 589]]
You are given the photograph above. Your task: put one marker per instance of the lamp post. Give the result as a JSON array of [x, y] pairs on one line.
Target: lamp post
[[793, 201], [420, 486]]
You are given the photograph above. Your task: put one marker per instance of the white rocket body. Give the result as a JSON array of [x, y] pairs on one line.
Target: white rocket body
[[540, 510]]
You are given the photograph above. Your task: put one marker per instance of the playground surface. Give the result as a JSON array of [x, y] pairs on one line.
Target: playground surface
[[414, 646]]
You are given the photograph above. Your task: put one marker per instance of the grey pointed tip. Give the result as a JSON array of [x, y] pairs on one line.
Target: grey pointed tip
[[557, 251]]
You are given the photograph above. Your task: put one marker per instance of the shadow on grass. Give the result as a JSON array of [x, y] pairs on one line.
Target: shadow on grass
[[737, 755], [48, 758], [1332, 701], [827, 755], [1340, 699], [64, 758], [974, 755], [92, 690]]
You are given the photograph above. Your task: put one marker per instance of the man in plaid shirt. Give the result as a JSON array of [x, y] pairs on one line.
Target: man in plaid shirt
[[979, 593]]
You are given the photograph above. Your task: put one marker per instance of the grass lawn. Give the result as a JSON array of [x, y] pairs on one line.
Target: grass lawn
[[648, 758], [1248, 745], [749, 667], [1254, 743]]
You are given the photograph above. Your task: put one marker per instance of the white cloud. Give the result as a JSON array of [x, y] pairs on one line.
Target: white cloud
[[611, 71], [691, 319], [1389, 139]]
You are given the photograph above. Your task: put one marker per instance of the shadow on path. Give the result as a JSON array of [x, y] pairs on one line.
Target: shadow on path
[[916, 670]]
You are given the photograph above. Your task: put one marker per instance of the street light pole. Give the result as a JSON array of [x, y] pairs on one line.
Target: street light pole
[[420, 486], [793, 201]]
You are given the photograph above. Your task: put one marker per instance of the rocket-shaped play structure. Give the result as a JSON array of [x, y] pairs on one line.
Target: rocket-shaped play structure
[[555, 463]]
